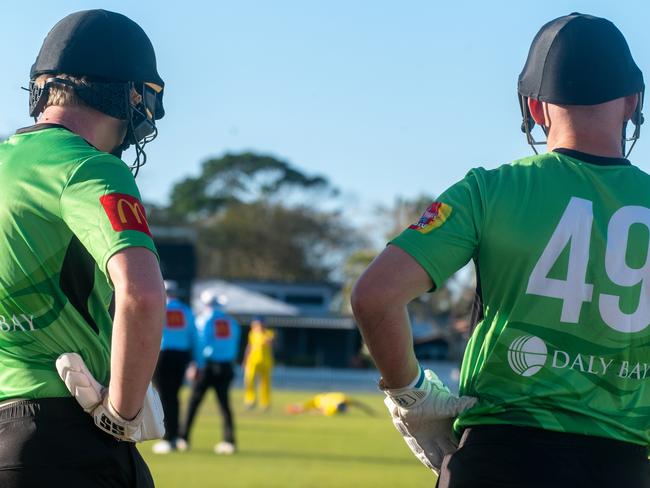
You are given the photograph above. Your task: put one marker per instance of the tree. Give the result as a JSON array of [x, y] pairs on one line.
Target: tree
[[258, 217], [263, 240], [239, 178]]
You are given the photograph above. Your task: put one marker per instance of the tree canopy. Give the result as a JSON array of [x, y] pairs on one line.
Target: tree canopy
[[257, 218], [265, 241], [240, 178]]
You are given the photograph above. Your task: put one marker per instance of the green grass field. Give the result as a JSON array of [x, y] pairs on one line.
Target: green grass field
[[305, 451]]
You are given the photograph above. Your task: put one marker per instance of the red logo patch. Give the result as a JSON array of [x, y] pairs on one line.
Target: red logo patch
[[175, 319], [221, 329], [125, 212]]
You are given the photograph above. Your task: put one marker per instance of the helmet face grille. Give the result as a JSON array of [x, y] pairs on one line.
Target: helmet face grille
[[145, 113]]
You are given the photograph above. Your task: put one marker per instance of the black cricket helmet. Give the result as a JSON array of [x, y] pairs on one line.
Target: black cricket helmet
[[115, 56], [579, 59]]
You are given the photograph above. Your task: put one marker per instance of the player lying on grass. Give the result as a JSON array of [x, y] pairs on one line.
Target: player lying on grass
[[329, 404], [553, 383]]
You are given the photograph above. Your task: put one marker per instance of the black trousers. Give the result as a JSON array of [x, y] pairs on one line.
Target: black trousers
[[509, 456], [53, 442], [168, 378], [218, 376]]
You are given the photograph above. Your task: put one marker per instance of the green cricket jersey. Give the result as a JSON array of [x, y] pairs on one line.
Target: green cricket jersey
[[65, 209], [561, 251]]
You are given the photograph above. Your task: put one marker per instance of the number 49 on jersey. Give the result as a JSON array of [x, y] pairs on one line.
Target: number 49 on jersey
[[574, 229]]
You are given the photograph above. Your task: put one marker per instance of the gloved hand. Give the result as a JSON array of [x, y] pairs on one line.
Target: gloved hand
[[424, 415], [93, 398]]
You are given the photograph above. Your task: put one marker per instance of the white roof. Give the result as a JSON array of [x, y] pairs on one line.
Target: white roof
[[241, 300]]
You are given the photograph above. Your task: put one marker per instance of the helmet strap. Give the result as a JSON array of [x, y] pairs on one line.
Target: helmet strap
[[140, 131], [637, 119], [528, 123]]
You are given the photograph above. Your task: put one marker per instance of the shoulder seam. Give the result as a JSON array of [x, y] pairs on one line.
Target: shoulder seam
[[79, 164]]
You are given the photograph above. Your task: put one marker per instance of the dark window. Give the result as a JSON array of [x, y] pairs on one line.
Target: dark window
[[177, 260], [304, 299]]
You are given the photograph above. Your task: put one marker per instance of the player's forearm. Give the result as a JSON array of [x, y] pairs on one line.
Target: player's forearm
[[386, 330], [379, 302], [137, 331], [137, 327]]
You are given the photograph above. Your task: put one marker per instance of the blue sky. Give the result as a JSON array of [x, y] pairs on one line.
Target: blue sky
[[384, 98]]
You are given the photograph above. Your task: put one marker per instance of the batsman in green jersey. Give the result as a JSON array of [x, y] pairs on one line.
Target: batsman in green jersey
[[75, 388], [555, 382]]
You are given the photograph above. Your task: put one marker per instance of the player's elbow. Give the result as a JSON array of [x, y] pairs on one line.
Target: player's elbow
[[149, 299], [366, 299], [138, 298], [141, 293]]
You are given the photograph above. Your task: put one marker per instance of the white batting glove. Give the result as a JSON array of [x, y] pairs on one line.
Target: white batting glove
[[93, 398], [424, 415]]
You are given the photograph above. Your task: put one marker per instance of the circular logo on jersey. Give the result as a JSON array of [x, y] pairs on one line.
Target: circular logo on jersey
[[527, 355]]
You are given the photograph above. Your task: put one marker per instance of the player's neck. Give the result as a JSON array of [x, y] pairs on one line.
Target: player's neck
[[101, 131], [604, 144]]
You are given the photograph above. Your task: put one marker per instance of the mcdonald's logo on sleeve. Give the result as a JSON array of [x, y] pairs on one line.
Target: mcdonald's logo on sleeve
[[125, 212]]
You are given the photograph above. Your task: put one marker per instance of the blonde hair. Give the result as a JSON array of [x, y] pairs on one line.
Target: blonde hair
[[61, 95]]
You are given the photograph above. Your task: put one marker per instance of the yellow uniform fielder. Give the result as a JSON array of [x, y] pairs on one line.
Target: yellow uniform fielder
[[258, 364]]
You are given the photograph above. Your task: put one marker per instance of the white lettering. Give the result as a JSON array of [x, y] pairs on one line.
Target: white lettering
[[17, 324], [29, 319], [605, 365], [599, 366], [578, 361], [636, 371], [556, 364], [624, 369], [590, 366]]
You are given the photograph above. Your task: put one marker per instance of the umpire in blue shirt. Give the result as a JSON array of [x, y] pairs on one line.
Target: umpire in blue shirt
[[216, 347], [175, 355]]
